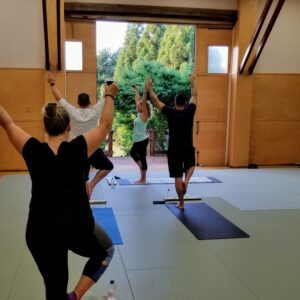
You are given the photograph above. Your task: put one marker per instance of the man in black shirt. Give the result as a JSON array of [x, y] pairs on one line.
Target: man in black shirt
[[181, 152]]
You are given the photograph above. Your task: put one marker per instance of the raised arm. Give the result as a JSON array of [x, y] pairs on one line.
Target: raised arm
[[136, 96], [144, 115], [17, 136], [157, 103], [97, 135], [54, 89], [193, 99]]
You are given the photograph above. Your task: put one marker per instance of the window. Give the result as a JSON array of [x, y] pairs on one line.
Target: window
[[73, 56], [217, 59]]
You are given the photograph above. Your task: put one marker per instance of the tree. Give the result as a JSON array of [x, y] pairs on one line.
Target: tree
[[176, 46], [128, 52], [148, 46], [106, 63]]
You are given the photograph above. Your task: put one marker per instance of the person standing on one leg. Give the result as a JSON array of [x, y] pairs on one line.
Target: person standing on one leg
[[60, 217], [84, 118], [140, 138], [181, 152]]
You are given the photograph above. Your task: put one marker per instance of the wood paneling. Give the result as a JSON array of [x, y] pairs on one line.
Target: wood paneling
[[276, 97], [85, 81], [275, 142], [241, 87], [213, 98], [10, 159], [275, 118], [85, 32], [212, 104], [211, 142], [106, 11], [77, 83], [22, 93]]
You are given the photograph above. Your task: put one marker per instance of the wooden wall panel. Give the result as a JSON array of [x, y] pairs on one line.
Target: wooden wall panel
[[276, 97], [22, 93], [210, 143], [275, 142], [85, 81], [10, 159], [212, 105], [77, 83], [275, 124], [213, 98], [85, 32], [241, 87]]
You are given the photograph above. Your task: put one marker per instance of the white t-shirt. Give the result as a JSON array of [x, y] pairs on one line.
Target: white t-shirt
[[82, 119]]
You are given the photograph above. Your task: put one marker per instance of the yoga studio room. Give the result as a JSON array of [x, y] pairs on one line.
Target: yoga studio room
[[149, 150]]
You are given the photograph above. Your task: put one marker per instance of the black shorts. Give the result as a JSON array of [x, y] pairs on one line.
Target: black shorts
[[180, 160], [99, 161]]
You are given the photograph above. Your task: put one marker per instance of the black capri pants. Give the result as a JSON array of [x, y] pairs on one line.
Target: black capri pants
[[49, 249], [139, 152]]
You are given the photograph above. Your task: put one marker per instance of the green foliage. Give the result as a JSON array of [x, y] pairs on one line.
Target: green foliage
[[123, 125], [128, 52], [163, 52], [148, 46], [177, 46], [106, 62], [166, 82]]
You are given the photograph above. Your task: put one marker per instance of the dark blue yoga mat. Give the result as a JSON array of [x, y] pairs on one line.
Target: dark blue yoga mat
[[205, 223], [106, 219]]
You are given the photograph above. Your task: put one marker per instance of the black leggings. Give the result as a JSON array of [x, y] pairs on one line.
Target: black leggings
[[139, 152], [50, 252]]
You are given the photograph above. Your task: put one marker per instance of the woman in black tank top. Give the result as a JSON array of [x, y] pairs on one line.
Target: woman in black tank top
[[60, 218]]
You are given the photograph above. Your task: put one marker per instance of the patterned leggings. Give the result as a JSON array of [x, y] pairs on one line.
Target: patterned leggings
[[50, 252]]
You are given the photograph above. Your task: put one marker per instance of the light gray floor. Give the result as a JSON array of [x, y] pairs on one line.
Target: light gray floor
[[160, 259]]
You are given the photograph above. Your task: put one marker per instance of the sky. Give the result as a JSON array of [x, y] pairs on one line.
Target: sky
[[110, 35]]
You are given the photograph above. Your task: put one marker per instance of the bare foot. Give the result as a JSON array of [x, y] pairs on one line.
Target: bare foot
[[179, 206], [140, 181]]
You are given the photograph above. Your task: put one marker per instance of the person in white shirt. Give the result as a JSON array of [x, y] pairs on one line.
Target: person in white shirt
[[84, 118]]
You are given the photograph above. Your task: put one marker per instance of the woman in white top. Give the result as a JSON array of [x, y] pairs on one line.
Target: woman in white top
[[140, 138]]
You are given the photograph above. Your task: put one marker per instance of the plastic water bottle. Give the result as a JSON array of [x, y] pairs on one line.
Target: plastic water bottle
[[111, 295], [168, 194]]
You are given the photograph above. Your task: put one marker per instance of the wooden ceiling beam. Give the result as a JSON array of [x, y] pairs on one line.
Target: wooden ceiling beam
[[140, 13]]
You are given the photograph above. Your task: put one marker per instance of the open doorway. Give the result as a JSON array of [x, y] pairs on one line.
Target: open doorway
[[131, 52]]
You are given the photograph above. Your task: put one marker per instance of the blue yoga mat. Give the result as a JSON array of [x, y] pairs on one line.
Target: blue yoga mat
[[106, 219], [205, 223]]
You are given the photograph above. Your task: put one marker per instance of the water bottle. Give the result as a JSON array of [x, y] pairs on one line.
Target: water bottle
[[168, 194], [111, 295]]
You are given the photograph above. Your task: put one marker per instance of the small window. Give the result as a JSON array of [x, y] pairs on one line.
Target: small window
[[73, 56], [217, 60]]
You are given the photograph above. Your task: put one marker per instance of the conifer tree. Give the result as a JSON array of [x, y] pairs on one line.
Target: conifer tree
[[106, 62], [128, 52], [149, 43], [176, 46]]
